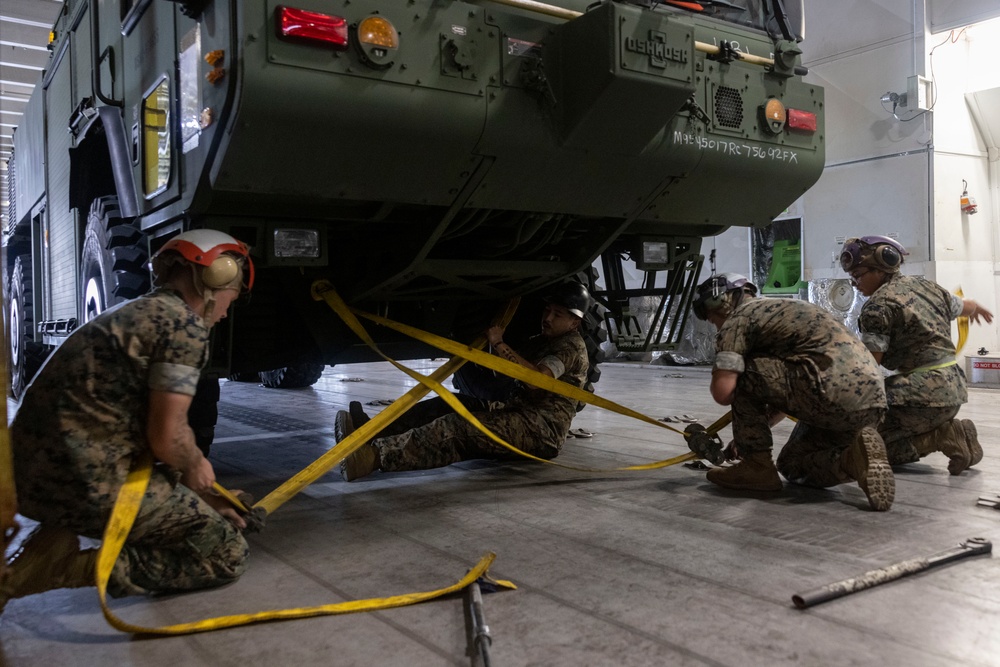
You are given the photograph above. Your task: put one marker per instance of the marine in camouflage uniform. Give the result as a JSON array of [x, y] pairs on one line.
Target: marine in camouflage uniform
[[780, 357], [431, 435], [906, 324], [82, 425]]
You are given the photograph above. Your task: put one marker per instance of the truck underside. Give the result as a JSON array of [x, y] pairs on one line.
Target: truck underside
[[468, 153]]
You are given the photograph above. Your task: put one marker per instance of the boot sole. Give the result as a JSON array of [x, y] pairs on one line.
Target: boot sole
[[961, 460], [343, 426], [878, 484], [358, 416], [972, 439], [362, 462]]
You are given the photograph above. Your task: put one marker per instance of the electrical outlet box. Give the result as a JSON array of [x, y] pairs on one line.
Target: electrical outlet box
[[919, 93]]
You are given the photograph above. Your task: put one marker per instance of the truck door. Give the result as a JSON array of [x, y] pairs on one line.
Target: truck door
[[149, 84]]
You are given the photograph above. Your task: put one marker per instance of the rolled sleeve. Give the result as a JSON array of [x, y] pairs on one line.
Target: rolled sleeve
[[554, 364], [875, 342], [957, 306], [173, 378], [729, 361]]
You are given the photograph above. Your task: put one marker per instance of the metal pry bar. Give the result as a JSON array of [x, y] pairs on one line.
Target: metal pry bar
[[481, 638], [971, 547], [986, 501]]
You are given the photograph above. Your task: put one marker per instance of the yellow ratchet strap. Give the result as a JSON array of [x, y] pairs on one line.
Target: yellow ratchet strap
[[130, 498], [324, 290], [963, 326], [8, 495], [123, 516], [353, 442]]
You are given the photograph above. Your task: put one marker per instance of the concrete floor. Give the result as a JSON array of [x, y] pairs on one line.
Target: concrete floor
[[613, 568]]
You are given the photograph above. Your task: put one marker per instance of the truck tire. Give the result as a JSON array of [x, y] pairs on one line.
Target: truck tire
[[26, 356], [113, 263], [292, 377]]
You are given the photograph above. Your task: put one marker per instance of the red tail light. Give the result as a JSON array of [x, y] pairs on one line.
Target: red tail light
[[801, 121], [310, 26]]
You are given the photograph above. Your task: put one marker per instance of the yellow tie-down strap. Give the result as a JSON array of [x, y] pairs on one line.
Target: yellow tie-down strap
[[123, 516], [8, 497], [130, 498], [963, 326], [324, 290]]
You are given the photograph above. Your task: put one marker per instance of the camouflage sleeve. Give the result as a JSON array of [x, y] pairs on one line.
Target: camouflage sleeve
[[955, 305], [554, 364], [733, 342], [567, 354], [875, 324], [176, 362], [173, 378], [729, 361]]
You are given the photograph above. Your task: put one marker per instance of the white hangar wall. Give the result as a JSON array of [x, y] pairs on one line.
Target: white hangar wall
[[901, 174]]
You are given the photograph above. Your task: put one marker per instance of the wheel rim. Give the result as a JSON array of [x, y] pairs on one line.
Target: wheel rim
[[15, 333], [93, 298]]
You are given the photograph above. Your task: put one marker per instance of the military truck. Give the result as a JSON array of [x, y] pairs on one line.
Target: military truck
[[430, 158]]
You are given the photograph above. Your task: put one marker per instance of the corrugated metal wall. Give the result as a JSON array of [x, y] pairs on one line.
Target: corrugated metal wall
[[61, 299]]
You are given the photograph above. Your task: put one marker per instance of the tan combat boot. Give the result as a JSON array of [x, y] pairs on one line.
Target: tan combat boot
[[866, 462], [755, 472], [951, 439], [48, 559], [365, 460], [972, 440]]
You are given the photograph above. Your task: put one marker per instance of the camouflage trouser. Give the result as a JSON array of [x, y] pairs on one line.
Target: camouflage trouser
[[903, 423], [824, 430], [177, 543], [431, 435]]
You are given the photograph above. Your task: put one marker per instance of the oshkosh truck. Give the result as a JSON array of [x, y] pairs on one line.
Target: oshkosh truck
[[430, 158]]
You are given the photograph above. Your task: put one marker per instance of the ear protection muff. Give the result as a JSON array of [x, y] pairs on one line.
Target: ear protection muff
[[718, 292], [711, 295], [223, 270], [886, 258], [878, 252]]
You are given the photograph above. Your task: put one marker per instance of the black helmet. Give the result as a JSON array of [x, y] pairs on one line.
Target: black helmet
[[711, 292], [572, 296]]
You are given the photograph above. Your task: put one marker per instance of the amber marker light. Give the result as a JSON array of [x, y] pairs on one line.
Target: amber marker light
[[299, 24], [801, 121], [377, 32], [774, 110], [376, 41]]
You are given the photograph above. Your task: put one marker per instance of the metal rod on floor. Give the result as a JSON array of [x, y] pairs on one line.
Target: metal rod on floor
[[971, 547], [481, 638]]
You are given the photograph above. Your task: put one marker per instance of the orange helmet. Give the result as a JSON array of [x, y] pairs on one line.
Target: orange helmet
[[221, 257]]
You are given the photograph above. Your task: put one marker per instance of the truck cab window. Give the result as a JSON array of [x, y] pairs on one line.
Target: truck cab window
[[156, 139]]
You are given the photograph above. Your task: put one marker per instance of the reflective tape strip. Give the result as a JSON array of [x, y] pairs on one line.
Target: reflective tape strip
[[931, 367]]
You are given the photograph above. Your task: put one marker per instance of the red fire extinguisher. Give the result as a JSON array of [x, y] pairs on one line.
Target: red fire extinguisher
[[968, 203]]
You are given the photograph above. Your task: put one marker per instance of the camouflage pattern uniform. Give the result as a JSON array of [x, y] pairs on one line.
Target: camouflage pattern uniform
[[81, 424], [535, 421], [908, 319], [794, 357]]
